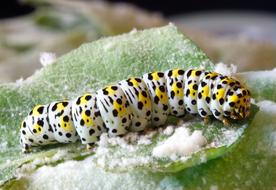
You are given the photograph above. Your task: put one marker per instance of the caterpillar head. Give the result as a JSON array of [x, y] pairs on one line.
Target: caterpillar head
[[34, 129], [238, 100]]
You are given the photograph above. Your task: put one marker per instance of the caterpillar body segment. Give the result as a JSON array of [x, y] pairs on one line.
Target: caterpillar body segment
[[138, 96], [237, 102], [156, 83], [87, 119], [115, 110], [134, 104], [191, 81], [175, 91], [35, 129], [218, 97], [204, 94], [61, 122]]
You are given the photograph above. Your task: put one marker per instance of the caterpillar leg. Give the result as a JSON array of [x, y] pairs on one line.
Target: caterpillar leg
[[226, 122], [115, 110], [206, 120], [87, 119], [90, 146], [140, 103], [26, 149]]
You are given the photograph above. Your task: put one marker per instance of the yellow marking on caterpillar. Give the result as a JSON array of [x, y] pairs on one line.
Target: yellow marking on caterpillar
[[87, 120], [35, 110], [67, 126], [212, 74], [162, 96], [220, 93], [193, 74], [192, 91], [205, 92], [110, 91], [227, 80], [233, 98], [120, 108], [155, 76], [134, 82], [175, 73], [83, 101], [60, 107], [146, 100], [175, 89], [38, 128]]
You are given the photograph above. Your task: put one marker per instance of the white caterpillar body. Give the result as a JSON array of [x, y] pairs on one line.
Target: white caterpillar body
[[133, 105]]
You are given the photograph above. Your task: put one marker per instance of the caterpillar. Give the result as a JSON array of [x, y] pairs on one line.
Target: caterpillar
[[133, 105]]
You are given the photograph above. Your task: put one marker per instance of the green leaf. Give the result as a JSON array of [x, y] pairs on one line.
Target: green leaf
[[221, 139], [89, 68], [262, 84]]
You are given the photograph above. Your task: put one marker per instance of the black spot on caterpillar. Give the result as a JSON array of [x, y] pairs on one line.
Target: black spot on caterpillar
[[133, 104]]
